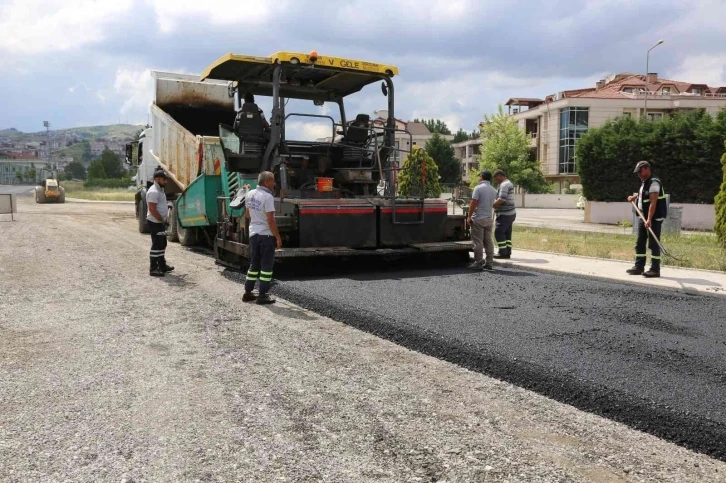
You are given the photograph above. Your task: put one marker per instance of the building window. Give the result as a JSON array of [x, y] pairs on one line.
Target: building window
[[696, 91], [655, 116], [628, 90], [666, 91], [628, 114], [573, 124]]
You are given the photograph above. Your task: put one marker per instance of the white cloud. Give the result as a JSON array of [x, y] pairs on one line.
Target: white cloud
[[308, 131], [219, 12], [42, 26], [136, 87], [703, 69]]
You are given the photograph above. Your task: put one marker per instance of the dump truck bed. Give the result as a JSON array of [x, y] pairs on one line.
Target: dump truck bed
[[185, 117]]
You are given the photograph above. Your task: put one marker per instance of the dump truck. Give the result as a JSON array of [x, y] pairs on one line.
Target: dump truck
[[49, 191], [336, 197]]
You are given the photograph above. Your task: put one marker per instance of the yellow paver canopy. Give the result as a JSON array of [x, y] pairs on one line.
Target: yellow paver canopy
[[304, 76]]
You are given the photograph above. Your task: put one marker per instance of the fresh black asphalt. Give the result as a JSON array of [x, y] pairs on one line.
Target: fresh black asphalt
[[653, 359]]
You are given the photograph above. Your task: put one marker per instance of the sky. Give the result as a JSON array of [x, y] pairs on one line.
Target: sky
[[88, 62]]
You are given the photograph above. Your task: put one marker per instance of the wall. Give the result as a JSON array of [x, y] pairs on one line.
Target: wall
[[695, 217], [528, 200]]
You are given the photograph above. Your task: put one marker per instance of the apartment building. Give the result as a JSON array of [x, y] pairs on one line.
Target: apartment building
[[467, 153], [11, 163], [554, 124]]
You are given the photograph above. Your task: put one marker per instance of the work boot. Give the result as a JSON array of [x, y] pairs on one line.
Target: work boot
[[249, 297], [156, 272], [652, 273], [265, 299], [167, 268], [476, 265], [488, 266], [502, 256], [636, 270]]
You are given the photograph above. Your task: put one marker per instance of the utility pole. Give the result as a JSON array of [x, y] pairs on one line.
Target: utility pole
[[647, 70]]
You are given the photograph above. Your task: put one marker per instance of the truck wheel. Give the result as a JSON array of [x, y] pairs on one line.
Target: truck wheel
[[141, 215], [187, 236], [62, 195], [39, 194], [173, 235]]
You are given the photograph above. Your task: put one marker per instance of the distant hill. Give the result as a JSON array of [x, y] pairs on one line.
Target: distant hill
[[90, 133]]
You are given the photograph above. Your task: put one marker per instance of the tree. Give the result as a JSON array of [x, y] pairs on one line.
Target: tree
[[505, 146], [443, 155], [112, 165], [19, 176], [31, 174], [75, 170], [410, 177], [461, 136], [720, 204], [435, 125], [681, 143], [96, 171]]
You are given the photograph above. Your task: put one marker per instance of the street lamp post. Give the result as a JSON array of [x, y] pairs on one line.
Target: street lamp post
[[647, 69]]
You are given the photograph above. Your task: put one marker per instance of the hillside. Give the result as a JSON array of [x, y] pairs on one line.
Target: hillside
[[90, 133]]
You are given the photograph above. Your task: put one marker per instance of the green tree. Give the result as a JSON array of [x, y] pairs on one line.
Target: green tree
[[505, 146], [31, 174], [19, 176], [435, 125], [112, 165], [96, 170], [75, 170], [460, 136], [411, 177], [681, 143], [443, 155], [720, 204]]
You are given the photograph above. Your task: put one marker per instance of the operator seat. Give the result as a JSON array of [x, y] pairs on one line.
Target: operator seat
[[355, 141], [358, 131]]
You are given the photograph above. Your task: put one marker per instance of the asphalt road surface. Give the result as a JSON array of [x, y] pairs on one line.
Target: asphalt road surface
[[651, 358]]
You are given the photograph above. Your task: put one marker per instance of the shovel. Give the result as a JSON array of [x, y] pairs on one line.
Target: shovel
[[650, 230]]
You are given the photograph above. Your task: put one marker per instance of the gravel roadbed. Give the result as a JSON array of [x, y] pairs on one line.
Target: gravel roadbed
[[109, 375]]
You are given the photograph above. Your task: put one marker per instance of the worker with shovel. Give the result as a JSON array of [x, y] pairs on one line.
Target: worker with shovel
[[652, 210]]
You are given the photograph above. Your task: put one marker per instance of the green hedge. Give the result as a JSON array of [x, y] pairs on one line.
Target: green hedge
[[108, 183], [684, 148], [720, 227]]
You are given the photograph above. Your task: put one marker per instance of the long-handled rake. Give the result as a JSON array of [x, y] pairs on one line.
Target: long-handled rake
[[662, 248]]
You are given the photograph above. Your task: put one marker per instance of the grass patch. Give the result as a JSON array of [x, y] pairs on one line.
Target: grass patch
[[695, 251], [75, 189]]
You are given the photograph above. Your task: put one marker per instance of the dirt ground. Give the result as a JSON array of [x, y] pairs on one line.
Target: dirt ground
[[107, 374]]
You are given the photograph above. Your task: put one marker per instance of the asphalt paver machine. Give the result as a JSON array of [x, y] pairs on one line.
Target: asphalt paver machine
[[336, 197]]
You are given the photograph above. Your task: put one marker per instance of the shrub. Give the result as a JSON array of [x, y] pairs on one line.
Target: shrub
[[720, 204], [410, 177]]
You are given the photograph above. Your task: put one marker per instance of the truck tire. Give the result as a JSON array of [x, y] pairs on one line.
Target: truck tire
[[61, 195], [39, 194], [173, 235], [187, 236], [141, 216]]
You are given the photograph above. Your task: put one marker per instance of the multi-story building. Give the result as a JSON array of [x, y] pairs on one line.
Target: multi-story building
[[556, 123], [12, 163], [467, 153]]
